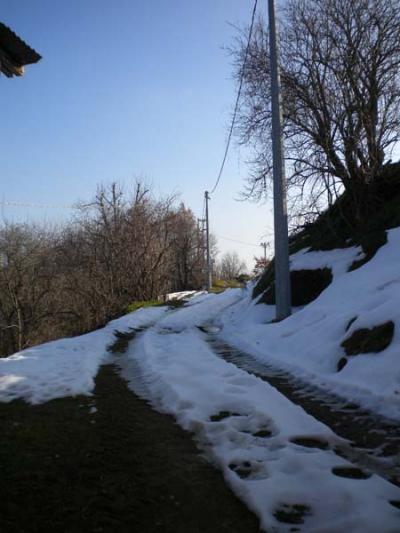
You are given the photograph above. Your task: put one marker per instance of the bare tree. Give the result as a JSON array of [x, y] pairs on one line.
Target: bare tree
[[187, 251], [27, 286], [231, 266], [120, 248], [124, 249], [340, 63]]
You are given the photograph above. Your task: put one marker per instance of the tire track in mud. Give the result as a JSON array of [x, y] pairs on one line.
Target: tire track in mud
[[374, 442], [108, 462], [289, 515]]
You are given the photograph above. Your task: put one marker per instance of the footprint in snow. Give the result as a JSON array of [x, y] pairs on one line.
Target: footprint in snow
[[310, 442], [350, 472], [249, 469], [222, 415], [292, 513]]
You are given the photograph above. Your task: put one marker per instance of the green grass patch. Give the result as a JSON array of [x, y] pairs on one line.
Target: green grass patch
[[134, 306], [220, 285]]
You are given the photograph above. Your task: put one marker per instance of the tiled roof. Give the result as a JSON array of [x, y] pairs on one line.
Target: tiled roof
[[16, 48]]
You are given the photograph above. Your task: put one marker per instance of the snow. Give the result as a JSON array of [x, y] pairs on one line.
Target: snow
[[203, 309], [337, 260], [65, 367], [308, 343], [182, 295], [184, 378], [243, 424]]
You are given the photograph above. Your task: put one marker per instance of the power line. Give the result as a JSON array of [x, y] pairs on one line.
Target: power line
[[239, 242], [42, 206], [237, 97]]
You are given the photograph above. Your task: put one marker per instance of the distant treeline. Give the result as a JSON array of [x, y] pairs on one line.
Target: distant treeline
[[118, 249]]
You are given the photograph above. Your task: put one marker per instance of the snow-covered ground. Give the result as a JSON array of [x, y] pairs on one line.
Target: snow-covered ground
[[182, 295], [65, 367], [308, 342], [245, 425]]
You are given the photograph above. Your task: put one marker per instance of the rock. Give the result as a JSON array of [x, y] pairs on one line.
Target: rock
[[366, 340]]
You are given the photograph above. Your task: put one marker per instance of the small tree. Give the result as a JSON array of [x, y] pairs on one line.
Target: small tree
[[231, 266], [260, 265]]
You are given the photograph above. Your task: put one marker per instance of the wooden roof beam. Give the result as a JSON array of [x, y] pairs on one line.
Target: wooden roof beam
[[14, 53], [8, 66]]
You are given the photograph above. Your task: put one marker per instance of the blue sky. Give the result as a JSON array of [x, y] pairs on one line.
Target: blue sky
[[126, 88]]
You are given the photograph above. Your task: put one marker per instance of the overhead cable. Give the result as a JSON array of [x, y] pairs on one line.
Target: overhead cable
[[42, 206], [239, 242], [237, 97]]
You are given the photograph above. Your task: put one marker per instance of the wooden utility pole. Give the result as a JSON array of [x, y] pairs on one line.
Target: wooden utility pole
[[201, 228], [208, 256], [265, 246], [282, 273]]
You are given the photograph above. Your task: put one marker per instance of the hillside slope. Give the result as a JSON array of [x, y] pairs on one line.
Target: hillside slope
[[347, 339]]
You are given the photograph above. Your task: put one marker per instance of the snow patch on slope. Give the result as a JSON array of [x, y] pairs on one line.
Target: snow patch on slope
[[337, 260], [308, 342], [182, 295]]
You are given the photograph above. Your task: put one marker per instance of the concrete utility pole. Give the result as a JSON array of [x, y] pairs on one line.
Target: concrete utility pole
[[208, 268], [282, 273]]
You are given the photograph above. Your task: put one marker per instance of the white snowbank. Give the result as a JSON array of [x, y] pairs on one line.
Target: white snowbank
[[308, 342], [202, 309], [182, 295], [67, 367], [186, 379], [337, 260], [64, 367]]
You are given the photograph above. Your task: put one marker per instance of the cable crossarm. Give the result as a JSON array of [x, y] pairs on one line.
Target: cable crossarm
[[237, 98]]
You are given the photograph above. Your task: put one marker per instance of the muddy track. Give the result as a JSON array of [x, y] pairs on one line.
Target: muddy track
[[108, 463], [374, 442]]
